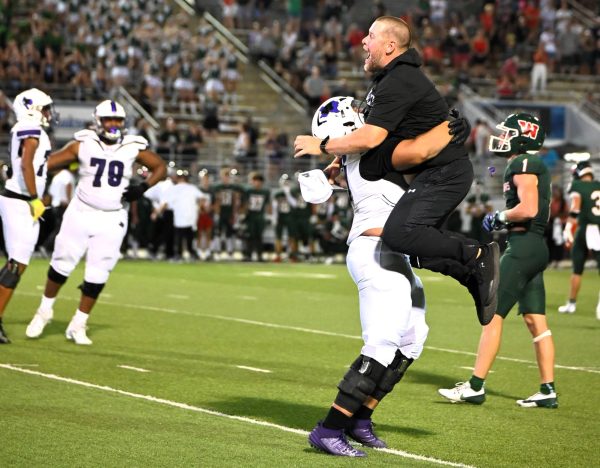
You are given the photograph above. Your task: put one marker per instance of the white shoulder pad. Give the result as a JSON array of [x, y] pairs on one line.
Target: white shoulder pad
[[86, 134], [140, 142], [26, 129]]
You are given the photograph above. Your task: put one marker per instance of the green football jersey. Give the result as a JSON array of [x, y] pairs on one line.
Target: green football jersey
[[302, 210], [283, 206], [589, 190], [225, 195], [529, 164], [257, 200]]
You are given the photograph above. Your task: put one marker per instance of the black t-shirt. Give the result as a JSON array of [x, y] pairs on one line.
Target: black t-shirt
[[406, 103]]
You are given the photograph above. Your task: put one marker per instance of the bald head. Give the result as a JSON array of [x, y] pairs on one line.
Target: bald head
[[396, 29]]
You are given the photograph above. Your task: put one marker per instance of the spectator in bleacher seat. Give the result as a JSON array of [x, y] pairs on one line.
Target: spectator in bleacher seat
[[211, 121], [153, 89], [230, 76], [193, 140], [480, 50], [539, 71], [505, 87], [548, 39], [213, 86], [563, 16], [229, 13], [353, 43], [244, 13], [5, 113], [169, 141], [185, 87], [329, 57], [241, 147], [568, 47], [315, 89]]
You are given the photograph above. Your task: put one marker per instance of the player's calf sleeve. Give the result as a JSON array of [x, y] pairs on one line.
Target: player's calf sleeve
[[359, 383], [392, 375], [9, 275]]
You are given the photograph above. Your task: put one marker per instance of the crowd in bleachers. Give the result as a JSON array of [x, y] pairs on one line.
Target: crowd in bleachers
[[516, 43]]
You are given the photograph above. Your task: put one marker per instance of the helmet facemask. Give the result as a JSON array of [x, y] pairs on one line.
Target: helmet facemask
[[109, 118], [502, 143]]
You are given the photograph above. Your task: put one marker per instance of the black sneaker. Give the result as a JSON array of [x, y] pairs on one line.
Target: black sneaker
[[3, 338], [483, 283]]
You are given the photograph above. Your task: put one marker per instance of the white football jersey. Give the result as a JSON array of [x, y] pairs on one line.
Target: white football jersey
[[372, 201], [19, 132], [105, 170]]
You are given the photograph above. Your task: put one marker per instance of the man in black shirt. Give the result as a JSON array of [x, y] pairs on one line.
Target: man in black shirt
[[402, 104]]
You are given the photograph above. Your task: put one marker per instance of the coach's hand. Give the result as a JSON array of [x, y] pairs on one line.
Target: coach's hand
[[459, 128], [494, 221], [134, 191], [306, 145], [37, 208]]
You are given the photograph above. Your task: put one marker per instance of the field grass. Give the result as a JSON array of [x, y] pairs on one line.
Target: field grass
[[242, 360]]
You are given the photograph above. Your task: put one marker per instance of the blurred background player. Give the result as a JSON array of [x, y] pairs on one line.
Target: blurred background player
[[20, 204], [281, 210], [256, 206], [527, 194], [584, 213], [95, 221], [227, 201]]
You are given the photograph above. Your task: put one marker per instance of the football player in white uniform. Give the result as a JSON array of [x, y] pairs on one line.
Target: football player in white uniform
[[391, 298], [95, 221], [20, 204]]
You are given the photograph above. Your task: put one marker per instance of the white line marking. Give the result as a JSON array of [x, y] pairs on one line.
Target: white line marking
[[249, 298], [280, 274], [472, 369], [25, 365], [178, 296], [198, 409], [137, 369], [591, 370], [254, 369]]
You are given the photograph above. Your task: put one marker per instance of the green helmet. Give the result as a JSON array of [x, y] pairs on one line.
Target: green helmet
[[521, 133], [582, 168]]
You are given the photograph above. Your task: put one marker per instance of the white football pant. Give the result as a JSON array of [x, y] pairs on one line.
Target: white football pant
[[388, 320], [86, 229], [20, 230]]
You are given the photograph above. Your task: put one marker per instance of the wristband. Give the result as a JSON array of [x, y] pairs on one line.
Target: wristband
[[502, 217], [323, 145], [573, 214]]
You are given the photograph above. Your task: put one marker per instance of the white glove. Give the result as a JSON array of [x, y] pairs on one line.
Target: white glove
[[568, 233]]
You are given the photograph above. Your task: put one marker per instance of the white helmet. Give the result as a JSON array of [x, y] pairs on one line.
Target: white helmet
[[336, 117], [113, 110], [35, 106]]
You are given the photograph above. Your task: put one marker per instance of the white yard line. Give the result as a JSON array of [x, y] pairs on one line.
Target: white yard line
[[591, 370], [198, 409], [137, 369], [178, 296], [254, 369]]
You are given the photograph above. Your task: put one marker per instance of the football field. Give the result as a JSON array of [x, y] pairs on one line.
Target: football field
[[216, 364]]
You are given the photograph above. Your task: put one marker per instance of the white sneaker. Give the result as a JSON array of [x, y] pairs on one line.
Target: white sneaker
[[568, 308], [463, 393], [78, 335], [540, 400], [38, 323]]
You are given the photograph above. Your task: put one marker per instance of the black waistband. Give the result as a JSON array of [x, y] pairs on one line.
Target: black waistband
[[9, 194]]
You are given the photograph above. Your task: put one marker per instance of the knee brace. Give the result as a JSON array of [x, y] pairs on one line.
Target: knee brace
[[55, 276], [392, 375], [541, 336], [9, 275], [359, 383], [92, 290]]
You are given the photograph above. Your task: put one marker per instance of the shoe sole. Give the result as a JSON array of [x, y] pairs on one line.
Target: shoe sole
[[69, 337], [476, 400], [535, 404]]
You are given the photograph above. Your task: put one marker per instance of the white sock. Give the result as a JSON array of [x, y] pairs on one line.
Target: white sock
[[47, 303], [79, 319]]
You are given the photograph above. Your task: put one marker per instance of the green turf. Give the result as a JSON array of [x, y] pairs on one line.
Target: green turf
[[192, 325]]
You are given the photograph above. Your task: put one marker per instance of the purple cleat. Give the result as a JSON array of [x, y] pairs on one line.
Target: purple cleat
[[333, 442], [362, 432]]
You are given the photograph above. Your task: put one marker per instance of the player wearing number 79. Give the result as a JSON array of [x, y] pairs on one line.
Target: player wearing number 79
[[95, 221]]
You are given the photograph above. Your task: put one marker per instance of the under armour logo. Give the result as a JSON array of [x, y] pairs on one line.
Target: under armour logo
[[411, 190]]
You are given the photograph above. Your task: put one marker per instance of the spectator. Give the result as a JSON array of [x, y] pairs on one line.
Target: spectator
[[211, 122], [539, 71], [315, 89], [169, 141], [480, 49]]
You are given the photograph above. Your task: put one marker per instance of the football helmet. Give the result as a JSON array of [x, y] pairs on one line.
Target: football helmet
[[34, 106], [582, 168], [521, 133], [109, 110], [336, 117]]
